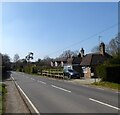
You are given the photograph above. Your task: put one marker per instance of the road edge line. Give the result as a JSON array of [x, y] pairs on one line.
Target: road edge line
[[20, 89]]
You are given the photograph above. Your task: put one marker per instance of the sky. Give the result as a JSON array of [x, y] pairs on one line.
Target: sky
[[49, 28]]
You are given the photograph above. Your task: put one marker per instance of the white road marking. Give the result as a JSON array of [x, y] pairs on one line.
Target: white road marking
[[104, 103], [61, 88], [35, 109], [41, 82]]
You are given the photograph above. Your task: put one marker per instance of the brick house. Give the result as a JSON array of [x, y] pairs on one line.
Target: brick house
[[74, 62], [71, 62], [90, 61], [59, 62]]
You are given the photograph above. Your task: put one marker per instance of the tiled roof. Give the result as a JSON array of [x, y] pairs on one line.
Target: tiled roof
[[74, 60], [69, 60], [77, 60], [94, 59], [86, 60]]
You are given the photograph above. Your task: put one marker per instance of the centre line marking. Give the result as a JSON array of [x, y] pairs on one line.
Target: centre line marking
[[41, 82], [61, 88], [104, 103]]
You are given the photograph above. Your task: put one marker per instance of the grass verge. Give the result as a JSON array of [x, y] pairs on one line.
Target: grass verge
[[3, 91], [107, 85]]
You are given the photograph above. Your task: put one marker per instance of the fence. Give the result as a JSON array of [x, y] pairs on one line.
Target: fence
[[53, 73]]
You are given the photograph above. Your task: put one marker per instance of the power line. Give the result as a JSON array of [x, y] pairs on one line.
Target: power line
[[90, 37]]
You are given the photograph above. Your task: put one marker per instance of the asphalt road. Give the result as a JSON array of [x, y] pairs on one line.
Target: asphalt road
[[59, 96]]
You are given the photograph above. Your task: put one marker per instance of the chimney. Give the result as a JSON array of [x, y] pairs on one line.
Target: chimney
[[82, 52], [102, 48]]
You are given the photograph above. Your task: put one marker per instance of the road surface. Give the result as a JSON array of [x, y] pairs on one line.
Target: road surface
[[59, 96]]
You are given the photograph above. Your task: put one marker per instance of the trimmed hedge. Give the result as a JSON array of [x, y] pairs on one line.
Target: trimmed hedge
[[113, 74], [109, 73]]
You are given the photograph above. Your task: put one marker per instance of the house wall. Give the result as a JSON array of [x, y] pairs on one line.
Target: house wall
[[52, 64], [56, 64], [62, 64], [87, 73]]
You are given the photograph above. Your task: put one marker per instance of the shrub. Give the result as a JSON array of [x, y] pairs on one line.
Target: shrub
[[34, 69], [101, 72], [109, 73]]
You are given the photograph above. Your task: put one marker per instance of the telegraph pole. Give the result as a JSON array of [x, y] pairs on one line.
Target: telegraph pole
[[99, 39]]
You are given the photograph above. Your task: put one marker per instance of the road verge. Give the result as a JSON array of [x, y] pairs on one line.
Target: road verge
[[27, 101]]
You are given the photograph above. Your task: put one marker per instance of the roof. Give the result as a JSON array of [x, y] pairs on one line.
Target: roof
[[74, 60], [94, 59], [69, 60], [86, 60], [77, 60]]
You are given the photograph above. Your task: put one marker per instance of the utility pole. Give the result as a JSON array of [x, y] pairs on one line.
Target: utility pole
[[99, 39]]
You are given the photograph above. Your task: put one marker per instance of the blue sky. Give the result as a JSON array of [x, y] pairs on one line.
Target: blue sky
[[48, 29]]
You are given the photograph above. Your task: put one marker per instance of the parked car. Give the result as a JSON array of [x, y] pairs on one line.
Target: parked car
[[70, 73]]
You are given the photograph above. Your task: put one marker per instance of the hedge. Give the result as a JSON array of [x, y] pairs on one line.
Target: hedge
[[109, 73]]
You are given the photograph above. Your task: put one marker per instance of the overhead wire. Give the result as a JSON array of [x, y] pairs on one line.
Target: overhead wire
[[85, 39]]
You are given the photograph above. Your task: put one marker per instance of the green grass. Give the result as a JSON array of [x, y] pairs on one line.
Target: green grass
[[2, 97], [107, 85]]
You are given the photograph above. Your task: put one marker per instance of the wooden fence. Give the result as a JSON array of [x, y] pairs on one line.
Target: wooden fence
[[53, 73]]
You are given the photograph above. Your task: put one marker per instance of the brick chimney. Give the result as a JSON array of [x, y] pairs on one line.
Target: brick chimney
[[102, 48], [82, 52]]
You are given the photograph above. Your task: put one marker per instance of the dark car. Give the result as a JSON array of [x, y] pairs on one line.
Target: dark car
[[70, 73]]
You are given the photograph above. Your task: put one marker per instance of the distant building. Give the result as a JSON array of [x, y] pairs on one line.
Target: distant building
[[72, 62], [85, 64], [59, 62], [90, 61]]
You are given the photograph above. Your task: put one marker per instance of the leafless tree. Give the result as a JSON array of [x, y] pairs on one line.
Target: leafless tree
[[95, 49], [114, 46], [16, 57], [68, 53]]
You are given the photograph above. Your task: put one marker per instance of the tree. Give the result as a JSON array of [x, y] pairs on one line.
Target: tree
[[113, 47], [16, 57], [5, 62], [95, 49], [68, 53], [47, 60], [29, 57]]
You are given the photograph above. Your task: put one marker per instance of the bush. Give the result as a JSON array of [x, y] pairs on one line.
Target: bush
[[101, 72], [109, 73], [34, 69], [113, 73], [27, 69]]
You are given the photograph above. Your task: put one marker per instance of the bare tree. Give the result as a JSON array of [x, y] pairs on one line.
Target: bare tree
[[68, 53], [95, 49], [114, 46], [16, 57]]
